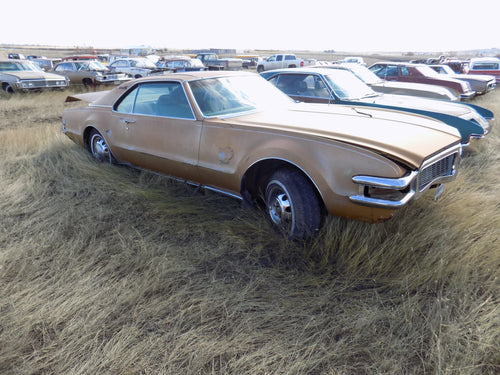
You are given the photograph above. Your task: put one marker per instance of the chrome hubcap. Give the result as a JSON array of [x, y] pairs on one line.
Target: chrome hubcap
[[100, 149], [280, 209]]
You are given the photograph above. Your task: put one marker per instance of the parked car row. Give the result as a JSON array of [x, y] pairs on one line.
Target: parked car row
[[478, 65], [233, 132]]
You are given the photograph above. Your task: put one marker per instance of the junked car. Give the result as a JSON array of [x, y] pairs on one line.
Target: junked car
[[24, 76], [89, 73], [136, 67], [46, 63], [234, 133], [420, 73], [398, 88], [483, 65], [339, 86], [480, 83], [180, 64]]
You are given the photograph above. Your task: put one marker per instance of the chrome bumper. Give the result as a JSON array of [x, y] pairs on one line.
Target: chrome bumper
[[433, 172]]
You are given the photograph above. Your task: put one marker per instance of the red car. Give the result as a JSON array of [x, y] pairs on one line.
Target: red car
[[420, 73], [484, 65]]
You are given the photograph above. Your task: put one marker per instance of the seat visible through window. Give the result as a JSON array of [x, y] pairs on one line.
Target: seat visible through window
[[173, 104]]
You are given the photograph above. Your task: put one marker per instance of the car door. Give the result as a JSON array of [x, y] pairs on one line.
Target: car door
[[154, 127], [67, 69]]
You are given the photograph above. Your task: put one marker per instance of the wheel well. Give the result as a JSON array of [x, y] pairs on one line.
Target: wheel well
[[254, 181], [5, 86], [86, 134], [292, 66]]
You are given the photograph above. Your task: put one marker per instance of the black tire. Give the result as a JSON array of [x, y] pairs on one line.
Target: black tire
[[99, 148], [260, 68], [292, 204], [87, 82], [8, 88]]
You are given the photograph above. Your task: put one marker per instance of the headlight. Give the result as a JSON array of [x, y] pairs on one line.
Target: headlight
[[26, 85]]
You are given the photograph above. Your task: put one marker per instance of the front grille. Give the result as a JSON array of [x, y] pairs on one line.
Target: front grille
[[41, 83], [442, 168]]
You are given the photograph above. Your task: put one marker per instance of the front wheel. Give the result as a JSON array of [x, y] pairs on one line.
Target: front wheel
[[260, 69], [7, 88], [99, 148], [292, 204]]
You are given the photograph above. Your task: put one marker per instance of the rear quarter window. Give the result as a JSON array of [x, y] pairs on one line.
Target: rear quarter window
[[485, 66]]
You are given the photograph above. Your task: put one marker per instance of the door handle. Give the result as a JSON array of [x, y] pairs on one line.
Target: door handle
[[127, 121]]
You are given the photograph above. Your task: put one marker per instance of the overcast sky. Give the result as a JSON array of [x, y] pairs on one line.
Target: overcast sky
[[317, 25]]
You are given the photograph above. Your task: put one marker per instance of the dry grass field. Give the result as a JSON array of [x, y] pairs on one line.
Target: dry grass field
[[109, 270]]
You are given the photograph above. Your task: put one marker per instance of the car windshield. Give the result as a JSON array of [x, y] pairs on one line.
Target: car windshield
[[19, 66], [427, 71], [233, 95], [445, 69], [363, 73], [145, 63], [196, 63], [91, 65], [347, 86]]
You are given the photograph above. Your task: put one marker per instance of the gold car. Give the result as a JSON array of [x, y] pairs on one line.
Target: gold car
[[235, 133]]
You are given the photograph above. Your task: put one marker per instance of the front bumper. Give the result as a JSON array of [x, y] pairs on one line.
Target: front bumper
[[393, 193], [467, 95]]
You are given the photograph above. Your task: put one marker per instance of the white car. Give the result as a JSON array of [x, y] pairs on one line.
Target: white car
[[136, 67]]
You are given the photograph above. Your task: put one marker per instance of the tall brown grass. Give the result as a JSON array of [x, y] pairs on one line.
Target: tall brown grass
[[107, 270]]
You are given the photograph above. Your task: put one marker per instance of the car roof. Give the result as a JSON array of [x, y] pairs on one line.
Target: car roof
[[186, 76], [319, 69], [399, 63]]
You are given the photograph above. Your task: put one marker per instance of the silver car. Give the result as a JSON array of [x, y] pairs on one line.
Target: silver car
[[24, 76]]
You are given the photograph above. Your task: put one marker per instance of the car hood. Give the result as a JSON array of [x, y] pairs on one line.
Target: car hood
[[448, 107], [409, 139], [35, 75], [412, 86]]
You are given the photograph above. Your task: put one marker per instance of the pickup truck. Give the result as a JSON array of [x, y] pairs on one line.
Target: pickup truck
[[212, 62], [282, 61]]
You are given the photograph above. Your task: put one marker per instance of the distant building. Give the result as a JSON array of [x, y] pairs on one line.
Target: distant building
[[217, 51], [137, 51]]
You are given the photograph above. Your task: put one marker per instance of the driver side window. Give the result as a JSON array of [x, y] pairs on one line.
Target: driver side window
[[165, 99]]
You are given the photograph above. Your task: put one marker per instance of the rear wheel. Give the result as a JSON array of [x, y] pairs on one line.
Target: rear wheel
[[98, 147], [292, 204]]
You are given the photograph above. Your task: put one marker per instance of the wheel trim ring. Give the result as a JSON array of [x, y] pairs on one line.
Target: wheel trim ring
[[280, 207], [99, 147]]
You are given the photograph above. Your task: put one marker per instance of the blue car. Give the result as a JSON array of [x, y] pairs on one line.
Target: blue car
[[340, 86]]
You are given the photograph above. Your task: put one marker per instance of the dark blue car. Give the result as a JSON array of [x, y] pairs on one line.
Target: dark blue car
[[340, 86]]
